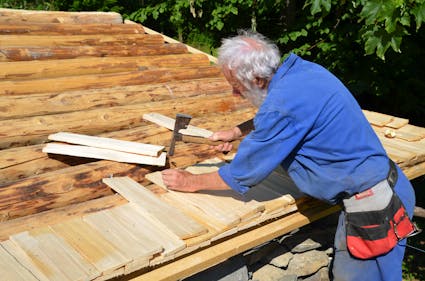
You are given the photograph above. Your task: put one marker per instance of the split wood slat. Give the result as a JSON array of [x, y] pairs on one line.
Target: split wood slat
[[79, 40], [179, 223], [108, 143], [20, 70], [53, 256], [408, 153], [141, 225], [140, 251], [11, 269], [397, 123], [106, 154], [32, 130], [90, 81], [12, 16], [19, 255], [91, 245], [378, 119], [69, 29], [18, 106], [63, 52], [168, 123]]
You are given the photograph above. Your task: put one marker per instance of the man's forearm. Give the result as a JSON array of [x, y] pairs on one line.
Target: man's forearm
[[208, 181]]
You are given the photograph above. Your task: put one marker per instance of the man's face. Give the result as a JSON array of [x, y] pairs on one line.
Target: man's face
[[255, 95]]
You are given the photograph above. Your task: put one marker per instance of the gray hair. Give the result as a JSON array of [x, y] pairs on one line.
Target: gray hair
[[251, 55]]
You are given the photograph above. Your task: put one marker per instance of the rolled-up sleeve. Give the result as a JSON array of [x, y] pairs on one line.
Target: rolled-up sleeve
[[273, 139]]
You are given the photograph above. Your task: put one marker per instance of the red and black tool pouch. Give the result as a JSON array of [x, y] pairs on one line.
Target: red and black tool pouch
[[375, 232]]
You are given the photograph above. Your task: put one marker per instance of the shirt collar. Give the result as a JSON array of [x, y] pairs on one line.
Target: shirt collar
[[283, 69]]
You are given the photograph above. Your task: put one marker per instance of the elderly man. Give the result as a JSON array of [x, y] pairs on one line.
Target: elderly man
[[310, 124]]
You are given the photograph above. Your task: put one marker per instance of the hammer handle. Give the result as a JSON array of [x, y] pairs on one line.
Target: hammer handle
[[193, 139]]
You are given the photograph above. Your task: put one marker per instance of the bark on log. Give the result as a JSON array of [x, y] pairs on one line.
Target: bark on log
[[20, 106], [79, 40], [33, 130], [12, 16], [22, 162], [46, 53], [23, 70], [93, 81], [69, 29]]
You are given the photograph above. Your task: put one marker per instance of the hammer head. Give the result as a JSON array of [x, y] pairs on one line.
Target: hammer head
[[182, 121]]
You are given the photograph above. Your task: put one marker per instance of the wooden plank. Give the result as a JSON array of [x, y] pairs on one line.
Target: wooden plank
[[33, 130], [18, 106], [11, 269], [79, 40], [217, 253], [179, 223], [53, 256], [80, 82], [108, 143], [140, 250], [397, 123], [19, 70], [138, 224], [12, 16], [169, 122], [54, 216], [69, 29], [106, 154], [91, 245], [61, 52], [20, 256], [378, 119]]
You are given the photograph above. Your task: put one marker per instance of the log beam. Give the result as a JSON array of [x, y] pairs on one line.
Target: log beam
[[33, 130], [69, 29], [46, 53], [91, 81], [79, 40], [12, 16], [24, 70]]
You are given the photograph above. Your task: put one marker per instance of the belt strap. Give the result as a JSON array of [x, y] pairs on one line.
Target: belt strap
[[392, 174]]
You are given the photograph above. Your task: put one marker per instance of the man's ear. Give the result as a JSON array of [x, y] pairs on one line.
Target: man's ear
[[260, 82]]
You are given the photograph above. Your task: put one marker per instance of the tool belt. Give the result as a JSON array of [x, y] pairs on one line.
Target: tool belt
[[376, 219]]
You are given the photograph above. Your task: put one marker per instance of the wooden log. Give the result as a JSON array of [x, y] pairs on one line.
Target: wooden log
[[61, 188], [50, 103], [79, 40], [11, 16], [91, 81], [33, 130], [22, 162], [69, 29], [55, 68], [46, 53]]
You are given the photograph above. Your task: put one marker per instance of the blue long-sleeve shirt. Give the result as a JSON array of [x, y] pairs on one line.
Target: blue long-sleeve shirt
[[311, 125]]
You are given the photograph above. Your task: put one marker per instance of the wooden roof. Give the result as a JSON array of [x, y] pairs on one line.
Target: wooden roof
[[90, 73]]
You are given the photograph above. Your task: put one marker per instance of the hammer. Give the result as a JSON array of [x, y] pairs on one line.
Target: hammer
[[182, 121]]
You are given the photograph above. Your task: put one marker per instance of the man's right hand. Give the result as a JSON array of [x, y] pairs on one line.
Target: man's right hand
[[226, 136]]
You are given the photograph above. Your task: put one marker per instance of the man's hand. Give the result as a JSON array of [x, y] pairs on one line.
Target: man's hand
[[179, 180], [227, 136]]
